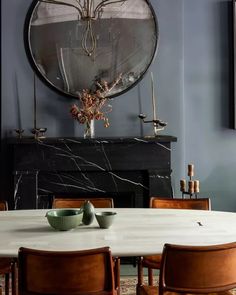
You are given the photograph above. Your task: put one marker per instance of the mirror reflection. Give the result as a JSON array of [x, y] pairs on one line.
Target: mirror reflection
[[74, 43]]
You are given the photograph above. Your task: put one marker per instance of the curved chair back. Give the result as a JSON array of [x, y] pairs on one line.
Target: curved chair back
[[60, 273], [168, 203], [198, 269], [78, 202], [3, 205]]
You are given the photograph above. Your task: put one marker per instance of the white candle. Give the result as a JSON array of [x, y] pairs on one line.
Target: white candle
[[153, 99]]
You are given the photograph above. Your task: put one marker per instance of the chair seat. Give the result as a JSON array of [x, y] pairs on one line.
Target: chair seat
[[153, 290], [153, 261]]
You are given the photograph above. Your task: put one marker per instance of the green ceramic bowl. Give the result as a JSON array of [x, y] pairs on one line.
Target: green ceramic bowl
[[105, 219], [64, 219]]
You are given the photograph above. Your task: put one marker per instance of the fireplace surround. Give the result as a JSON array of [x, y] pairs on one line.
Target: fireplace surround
[[128, 169]]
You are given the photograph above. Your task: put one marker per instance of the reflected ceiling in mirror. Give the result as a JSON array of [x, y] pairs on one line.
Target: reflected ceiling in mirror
[[74, 43]]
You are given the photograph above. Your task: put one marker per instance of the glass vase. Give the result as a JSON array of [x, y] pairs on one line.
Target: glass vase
[[89, 131]]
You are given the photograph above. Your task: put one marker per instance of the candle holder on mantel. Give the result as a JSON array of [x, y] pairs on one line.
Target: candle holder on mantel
[[39, 132], [19, 132], [193, 185], [158, 124]]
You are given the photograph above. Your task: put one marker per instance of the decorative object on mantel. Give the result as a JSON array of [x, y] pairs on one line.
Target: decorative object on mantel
[[92, 104], [193, 185], [19, 132], [37, 132], [158, 124]]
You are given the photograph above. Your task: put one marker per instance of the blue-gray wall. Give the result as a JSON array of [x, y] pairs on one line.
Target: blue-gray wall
[[191, 75]]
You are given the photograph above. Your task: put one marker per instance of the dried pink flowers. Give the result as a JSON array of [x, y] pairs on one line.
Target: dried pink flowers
[[93, 105]]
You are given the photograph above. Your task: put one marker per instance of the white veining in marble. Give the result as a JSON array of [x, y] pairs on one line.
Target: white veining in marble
[[135, 232]]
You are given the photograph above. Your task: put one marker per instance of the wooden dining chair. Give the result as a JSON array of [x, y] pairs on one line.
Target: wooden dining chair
[[153, 261], [7, 265], [3, 205], [194, 270], [61, 202], [88, 272]]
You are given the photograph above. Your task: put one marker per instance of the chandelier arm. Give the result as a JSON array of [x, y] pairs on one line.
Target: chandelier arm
[[78, 2], [89, 30], [62, 3], [105, 3]]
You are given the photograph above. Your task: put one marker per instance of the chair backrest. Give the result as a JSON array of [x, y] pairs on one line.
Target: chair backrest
[[198, 269], [78, 202], [74, 272], [168, 203], [3, 205]]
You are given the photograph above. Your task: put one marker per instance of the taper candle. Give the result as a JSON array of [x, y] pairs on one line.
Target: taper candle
[[182, 185], [196, 186], [190, 170], [191, 186], [35, 107], [18, 109], [153, 99]]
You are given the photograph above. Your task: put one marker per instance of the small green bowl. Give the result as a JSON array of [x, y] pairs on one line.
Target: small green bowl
[[64, 219], [105, 219]]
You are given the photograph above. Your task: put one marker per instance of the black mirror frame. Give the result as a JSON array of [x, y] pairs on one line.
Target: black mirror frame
[[61, 92]]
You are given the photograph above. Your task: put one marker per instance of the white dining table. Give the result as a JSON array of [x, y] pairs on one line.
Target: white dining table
[[135, 232]]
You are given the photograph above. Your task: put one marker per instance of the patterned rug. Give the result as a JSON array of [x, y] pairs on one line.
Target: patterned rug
[[128, 285]]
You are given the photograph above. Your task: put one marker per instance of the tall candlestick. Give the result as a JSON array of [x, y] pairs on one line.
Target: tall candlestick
[[18, 105], [153, 99], [35, 107]]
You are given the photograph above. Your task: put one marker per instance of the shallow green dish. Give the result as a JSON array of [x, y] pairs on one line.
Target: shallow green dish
[[64, 219]]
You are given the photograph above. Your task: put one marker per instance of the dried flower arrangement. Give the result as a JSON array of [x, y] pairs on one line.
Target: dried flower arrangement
[[93, 103]]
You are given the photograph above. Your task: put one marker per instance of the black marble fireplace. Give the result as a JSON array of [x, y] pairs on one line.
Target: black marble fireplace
[[128, 169]]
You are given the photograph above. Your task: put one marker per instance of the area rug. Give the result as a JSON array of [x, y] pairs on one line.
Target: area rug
[[128, 285]]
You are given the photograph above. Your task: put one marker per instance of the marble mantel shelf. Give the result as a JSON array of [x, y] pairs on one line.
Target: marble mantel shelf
[[30, 140], [135, 167]]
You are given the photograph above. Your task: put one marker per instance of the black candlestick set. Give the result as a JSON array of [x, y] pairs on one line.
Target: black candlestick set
[[193, 185], [36, 131]]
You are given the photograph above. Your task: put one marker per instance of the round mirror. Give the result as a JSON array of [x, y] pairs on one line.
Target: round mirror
[[74, 44]]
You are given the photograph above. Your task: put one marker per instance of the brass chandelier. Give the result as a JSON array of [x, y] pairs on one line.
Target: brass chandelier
[[88, 12]]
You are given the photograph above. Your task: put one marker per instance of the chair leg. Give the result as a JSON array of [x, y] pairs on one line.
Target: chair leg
[[140, 271], [117, 274], [6, 284], [14, 278], [150, 276]]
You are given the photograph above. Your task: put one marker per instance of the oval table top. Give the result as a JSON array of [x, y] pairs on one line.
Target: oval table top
[[135, 232]]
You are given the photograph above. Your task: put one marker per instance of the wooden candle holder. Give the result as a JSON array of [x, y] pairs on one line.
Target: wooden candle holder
[[193, 185]]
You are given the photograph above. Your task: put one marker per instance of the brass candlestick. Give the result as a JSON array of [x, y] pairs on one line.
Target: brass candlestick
[[38, 133], [158, 124], [193, 185]]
